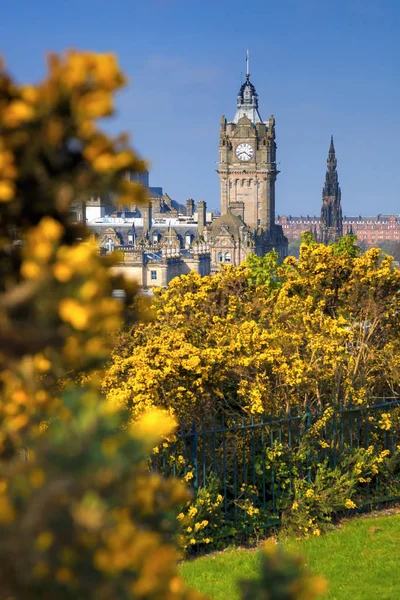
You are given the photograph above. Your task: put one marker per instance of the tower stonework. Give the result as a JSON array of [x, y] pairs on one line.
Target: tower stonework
[[247, 171], [331, 223]]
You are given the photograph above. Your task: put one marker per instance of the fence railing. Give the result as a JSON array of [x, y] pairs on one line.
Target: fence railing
[[262, 457]]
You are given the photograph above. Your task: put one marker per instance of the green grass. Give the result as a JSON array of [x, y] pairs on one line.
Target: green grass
[[360, 560]]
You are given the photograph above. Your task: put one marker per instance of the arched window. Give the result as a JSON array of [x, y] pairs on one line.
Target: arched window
[[227, 257], [131, 239], [220, 257], [110, 245], [188, 239], [155, 238]]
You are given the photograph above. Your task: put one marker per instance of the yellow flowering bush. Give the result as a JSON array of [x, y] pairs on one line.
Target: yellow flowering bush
[[57, 312], [202, 519], [261, 337], [80, 514], [315, 502]]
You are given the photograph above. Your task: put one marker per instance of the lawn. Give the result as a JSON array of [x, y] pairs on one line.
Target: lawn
[[360, 560]]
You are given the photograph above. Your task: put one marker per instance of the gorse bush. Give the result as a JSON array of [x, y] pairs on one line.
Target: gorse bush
[[261, 337], [81, 516], [283, 577]]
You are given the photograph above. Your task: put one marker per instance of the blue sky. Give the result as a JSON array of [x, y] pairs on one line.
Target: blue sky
[[320, 66]]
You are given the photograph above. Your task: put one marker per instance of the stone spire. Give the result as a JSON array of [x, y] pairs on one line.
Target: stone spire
[[331, 224], [247, 99]]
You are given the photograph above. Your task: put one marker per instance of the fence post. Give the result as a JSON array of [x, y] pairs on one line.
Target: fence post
[[194, 457], [308, 426]]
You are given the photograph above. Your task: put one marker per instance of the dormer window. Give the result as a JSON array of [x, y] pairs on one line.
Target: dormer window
[[131, 239], [188, 239]]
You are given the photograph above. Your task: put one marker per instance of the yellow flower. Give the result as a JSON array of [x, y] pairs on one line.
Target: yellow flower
[[89, 289], [180, 517], [7, 191], [349, 504], [17, 112], [123, 160], [192, 541], [107, 72], [104, 163], [95, 346], [30, 270], [295, 505], [317, 532], [41, 363], [74, 313], [309, 493], [29, 93], [43, 250], [51, 229], [153, 425], [96, 104], [192, 511], [62, 272]]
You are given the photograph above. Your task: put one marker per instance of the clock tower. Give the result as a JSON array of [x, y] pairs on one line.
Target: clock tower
[[247, 169]]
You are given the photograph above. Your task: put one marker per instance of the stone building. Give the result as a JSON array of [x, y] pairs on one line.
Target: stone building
[[372, 230], [154, 250], [156, 267], [331, 223], [247, 172]]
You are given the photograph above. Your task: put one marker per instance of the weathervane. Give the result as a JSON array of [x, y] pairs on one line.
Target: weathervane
[[247, 64]]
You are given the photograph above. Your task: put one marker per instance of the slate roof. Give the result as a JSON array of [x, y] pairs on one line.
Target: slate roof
[[122, 230]]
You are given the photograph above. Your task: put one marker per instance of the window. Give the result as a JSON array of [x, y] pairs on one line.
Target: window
[[130, 239], [155, 238], [153, 275], [110, 245], [188, 239], [220, 257], [227, 257]]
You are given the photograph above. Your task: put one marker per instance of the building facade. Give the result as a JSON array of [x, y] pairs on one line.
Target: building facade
[[370, 230]]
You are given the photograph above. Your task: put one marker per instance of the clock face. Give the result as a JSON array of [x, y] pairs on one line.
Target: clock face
[[244, 152]]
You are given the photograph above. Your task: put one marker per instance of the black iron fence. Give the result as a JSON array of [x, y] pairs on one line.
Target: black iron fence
[[262, 457]]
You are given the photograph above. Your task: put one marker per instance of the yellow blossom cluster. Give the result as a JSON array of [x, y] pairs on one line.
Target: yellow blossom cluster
[[202, 519], [74, 482], [261, 337]]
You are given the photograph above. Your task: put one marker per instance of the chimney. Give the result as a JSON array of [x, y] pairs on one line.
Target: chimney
[[146, 212], [237, 209], [156, 204], [202, 212], [189, 207]]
